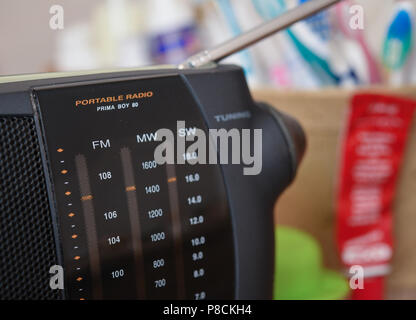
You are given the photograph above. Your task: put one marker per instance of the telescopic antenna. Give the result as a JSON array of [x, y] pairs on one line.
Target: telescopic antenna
[[254, 35]]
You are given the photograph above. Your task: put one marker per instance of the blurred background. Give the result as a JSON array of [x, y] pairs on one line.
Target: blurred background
[[101, 34]]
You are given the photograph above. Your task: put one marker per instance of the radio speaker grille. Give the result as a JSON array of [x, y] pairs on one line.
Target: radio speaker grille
[[27, 248]]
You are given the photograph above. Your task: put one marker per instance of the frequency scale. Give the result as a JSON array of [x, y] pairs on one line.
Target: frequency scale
[[131, 228]]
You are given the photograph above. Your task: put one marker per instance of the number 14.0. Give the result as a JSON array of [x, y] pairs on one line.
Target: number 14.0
[[194, 199]]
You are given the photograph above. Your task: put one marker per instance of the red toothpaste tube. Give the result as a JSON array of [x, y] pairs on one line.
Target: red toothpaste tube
[[372, 151]]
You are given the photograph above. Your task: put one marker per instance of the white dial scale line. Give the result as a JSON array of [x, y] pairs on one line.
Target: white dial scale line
[[176, 228], [133, 209], [89, 218]]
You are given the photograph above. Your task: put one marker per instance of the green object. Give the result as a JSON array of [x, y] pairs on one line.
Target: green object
[[299, 274]]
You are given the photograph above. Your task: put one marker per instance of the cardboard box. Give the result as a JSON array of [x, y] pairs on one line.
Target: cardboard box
[[309, 204]]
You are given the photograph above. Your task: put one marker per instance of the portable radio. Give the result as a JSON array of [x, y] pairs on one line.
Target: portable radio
[[80, 187]]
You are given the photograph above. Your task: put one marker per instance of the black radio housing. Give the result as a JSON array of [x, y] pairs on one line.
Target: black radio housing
[[33, 225]]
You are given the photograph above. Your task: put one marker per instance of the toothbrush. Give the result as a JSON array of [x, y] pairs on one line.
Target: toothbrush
[[411, 65], [227, 10], [348, 70], [270, 9], [319, 23], [311, 47], [272, 63], [342, 19], [398, 43]]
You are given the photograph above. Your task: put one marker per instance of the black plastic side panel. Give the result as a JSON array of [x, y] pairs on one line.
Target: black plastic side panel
[[251, 197]]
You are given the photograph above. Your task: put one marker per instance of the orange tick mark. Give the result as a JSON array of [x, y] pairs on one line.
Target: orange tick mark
[[71, 214], [79, 279], [60, 150], [74, 236], [77, 257], [64, 171], [173, 179], [85, 198], [67, 193], [131, 188]]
